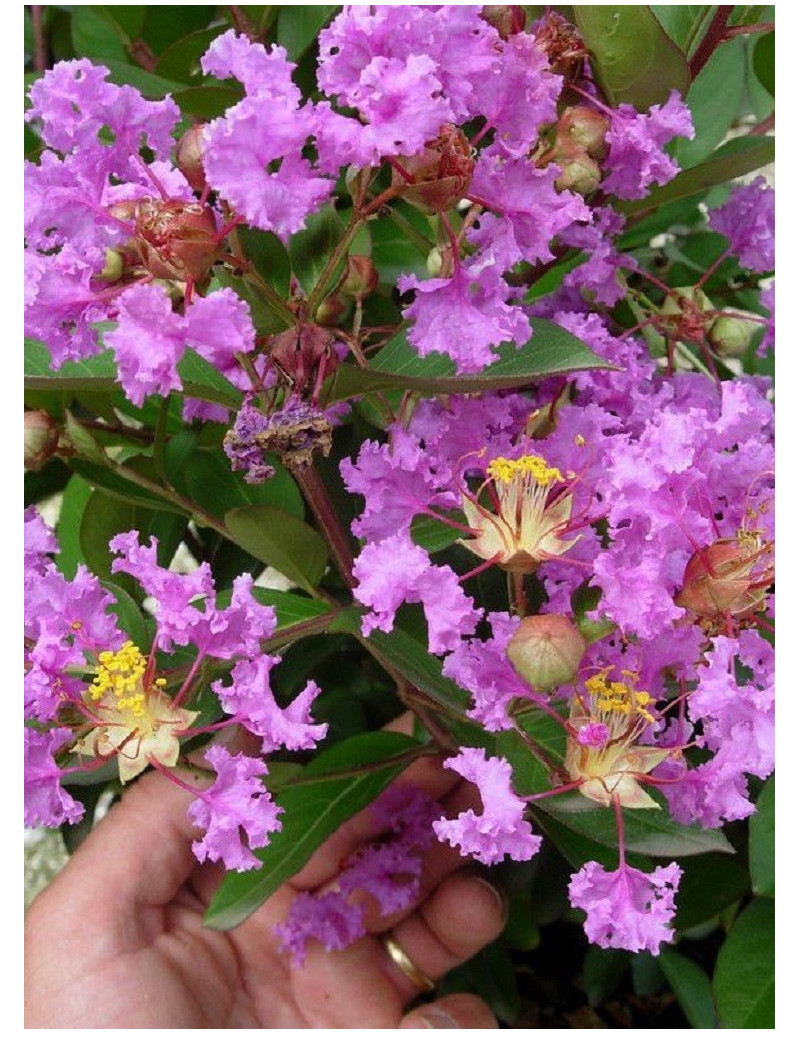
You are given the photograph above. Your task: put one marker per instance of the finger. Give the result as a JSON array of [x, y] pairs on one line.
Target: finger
[[140, 854], [439, 861], [464, 914], [426, 773], [456, 1011]]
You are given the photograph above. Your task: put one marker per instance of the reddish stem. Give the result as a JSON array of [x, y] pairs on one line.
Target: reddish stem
[[715, 35]]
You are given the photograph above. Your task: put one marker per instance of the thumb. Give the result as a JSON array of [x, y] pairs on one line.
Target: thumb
[[456, 1011]]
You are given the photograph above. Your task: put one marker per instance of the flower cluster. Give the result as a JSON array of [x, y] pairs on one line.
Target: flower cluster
[[93, 697]]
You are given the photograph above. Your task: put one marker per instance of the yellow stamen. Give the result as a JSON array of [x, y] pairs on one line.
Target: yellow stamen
[[505, 470]]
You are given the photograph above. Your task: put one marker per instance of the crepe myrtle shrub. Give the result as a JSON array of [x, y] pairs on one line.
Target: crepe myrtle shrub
[[414, 358]]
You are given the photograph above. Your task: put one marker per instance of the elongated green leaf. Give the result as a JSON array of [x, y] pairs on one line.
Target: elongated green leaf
[[602, 972], [110, 479], [764, 62], [291, 608], [551, 351], [651, 832], [206, 101], [76, 494], [762, 842], [283, 541], [299, 24], [312, 811], [404, 654], [310, 248], [734, 159], [99, 373], [692, 988], [714, 99], [96, 37], [147, 83], [710, 884], [744, 977], [181, 60], [633, 58], [128, 18], [684, 23], [128, 615], [210, 481]]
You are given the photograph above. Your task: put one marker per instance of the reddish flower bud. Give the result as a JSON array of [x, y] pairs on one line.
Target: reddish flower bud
[[360, 277], [305, 356], [41, 439], [546, 650], [508, 19], [439, 175], [584, 128], [730, 576], [189, 156], [331, 310], [686, 312], [565, 49], [175, 240]]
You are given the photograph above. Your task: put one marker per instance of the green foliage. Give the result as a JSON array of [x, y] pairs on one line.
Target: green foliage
[[339, 783], [744, 977]]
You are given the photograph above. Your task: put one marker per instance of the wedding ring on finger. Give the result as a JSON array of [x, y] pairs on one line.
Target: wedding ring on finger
[[401, 959]]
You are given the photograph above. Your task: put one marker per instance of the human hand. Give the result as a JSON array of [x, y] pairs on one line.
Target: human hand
[[118, 941]]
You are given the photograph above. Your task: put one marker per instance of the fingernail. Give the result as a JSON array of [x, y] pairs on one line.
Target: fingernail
[[438, 1018], [500, 897]]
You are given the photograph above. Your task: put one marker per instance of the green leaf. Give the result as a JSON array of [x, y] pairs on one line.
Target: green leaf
[[209, 480], [181, 60], [313, 810], [206, 102], [290, 608], [310, 248], [110, 479], [691, 986], [96, 37], [147, 83], [268, 255], [82, 440], [744, 977], [584, 601], [129, 616], [411, 659], [733, 159], [166, 23], [76, 494], [714, 99], [764, 61], [762, 842], [128, 18], [551, 351], [633, 58], [395, 251], [433, 534], [651, 832], [299, 25], [99, 373], [281, 540], [602, 973], [710, 884], [684, 23]]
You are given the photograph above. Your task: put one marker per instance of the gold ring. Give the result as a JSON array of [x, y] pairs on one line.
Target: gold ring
[[406, 965]]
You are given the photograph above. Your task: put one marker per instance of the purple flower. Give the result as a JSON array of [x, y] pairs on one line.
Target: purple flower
[[250, 699], [501, 829], [625, 908], [396, 571], [636, 140], [747, 220], [388, 869], [236, 802], [464, 316], [253, 153], [47, 804]]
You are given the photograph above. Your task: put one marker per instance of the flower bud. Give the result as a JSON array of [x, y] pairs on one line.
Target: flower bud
[[731, 336], [189, 156], [305, 355], [508, 19], [360, 277], [331, 310], [546, 650], [729, 576], [440, 173], [686, 311], [579, 173], [583, 127], [176, 240], [41, 439], [114, 266], [435, 262], [562, 43]]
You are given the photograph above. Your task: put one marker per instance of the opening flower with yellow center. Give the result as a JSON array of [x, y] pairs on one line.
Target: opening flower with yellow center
[[135, 718], [606, 721], [530, 512]]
